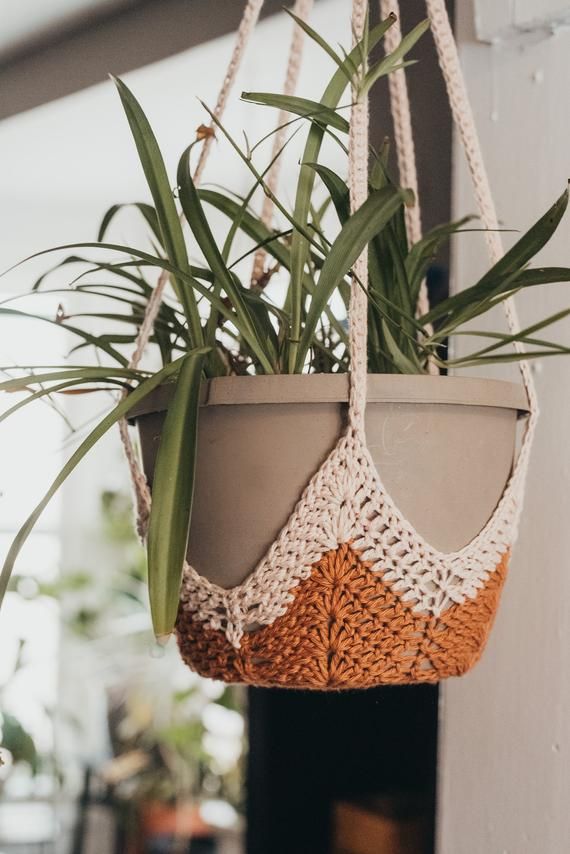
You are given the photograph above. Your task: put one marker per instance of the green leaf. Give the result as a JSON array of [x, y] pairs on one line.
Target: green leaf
[[18, 741], [404, 364], [155, 261], [367, 84], [278, 235], [22, 383], [524, 336], [392, 61], [502, 275], [399, 286], [254, 228], [381, 274], [95, 340], [236, 225], [245, 202], [318, 39], [121, 410], [266, 189], [194, 213], [167, 324], [305, 184], [337, 189], [161, 191], [541, 276], [355, 234], [422, 253], [261, 313], [250, 224], [147, 211], [45, 392], [116, 269], [300, 107], [501, 358], [172, 493]]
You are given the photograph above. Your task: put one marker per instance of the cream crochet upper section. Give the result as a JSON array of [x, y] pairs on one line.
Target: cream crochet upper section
[[344, 502]]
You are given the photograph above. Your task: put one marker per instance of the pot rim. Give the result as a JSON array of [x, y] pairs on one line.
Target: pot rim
[[333, 388]]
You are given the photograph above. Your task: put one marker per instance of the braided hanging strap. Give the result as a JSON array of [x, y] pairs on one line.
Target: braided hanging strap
[[402, 120], [465, 123], [405, 149], [245, 29], [358, 184], [302, 10], [140, 486]]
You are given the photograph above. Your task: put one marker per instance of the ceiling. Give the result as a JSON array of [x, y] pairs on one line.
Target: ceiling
[[52, 48], [26, 22]]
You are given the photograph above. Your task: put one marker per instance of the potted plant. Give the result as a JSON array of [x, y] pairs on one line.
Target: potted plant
[[18, 751], [267, 367], [176, 749], [175, 768]]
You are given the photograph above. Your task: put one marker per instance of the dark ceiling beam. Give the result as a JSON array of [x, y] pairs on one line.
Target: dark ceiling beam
[[117, 40]]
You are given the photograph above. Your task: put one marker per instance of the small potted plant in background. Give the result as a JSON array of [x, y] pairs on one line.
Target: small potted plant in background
[[176, 764], [18, 752], [176, 773], [281, 342]]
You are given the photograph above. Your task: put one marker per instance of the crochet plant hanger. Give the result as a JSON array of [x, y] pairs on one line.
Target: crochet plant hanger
[[350, 595]]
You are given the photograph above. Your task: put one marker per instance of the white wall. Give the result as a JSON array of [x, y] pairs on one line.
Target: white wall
[[505, 738]]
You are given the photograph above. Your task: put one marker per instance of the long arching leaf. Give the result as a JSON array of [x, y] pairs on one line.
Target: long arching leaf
[[120, 411], [302, 107], [161, 191], [147, 212], [194, 213], [95, 340], [356, 233], [502, 274], [173, 489], [305, 184]]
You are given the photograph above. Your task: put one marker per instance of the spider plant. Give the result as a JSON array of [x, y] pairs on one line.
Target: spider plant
[[214, 321]]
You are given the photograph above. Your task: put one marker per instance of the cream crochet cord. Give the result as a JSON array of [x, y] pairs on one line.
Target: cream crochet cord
[[302, 10], [345, 501]]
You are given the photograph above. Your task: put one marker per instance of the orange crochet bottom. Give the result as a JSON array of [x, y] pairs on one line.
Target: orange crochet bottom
[[347, 629]]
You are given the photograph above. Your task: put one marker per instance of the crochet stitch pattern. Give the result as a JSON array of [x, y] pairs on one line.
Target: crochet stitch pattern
[[347, 628], [346, 502]]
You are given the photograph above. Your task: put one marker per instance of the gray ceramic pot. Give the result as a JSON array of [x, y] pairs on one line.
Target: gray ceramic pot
[[444, 447]]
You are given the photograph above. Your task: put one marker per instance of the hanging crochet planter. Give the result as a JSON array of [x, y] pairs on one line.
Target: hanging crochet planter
[[345, 529], [352, 530], [350, 594]]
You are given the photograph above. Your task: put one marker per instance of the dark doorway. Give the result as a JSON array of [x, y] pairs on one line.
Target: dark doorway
[[312, 750]]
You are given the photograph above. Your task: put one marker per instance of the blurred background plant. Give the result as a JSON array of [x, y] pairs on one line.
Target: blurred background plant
[[18, 746], [172, 767]]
